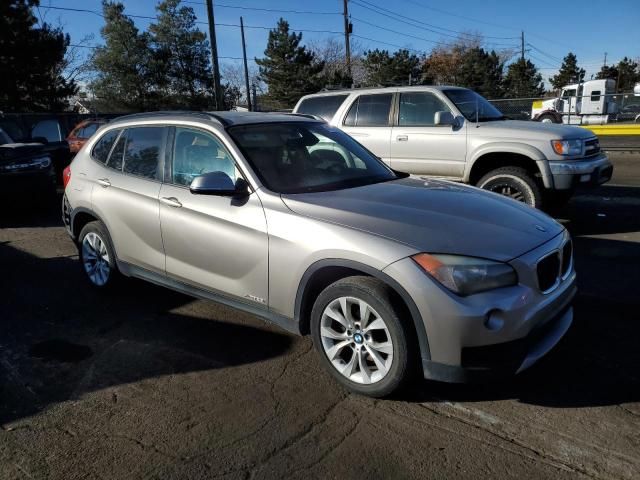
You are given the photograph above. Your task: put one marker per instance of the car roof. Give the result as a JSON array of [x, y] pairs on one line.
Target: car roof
[[347, 91], [224, 118]]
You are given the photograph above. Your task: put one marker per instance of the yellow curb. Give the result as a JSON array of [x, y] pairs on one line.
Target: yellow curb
[[615, 129]]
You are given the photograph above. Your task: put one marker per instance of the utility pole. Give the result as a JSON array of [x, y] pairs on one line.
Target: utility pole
[[347, 31], [605, 60], [217, 90], [522, 46], [246, 68]]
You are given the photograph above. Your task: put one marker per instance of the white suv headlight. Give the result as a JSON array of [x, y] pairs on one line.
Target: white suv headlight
[[567, 147], [466, 275]]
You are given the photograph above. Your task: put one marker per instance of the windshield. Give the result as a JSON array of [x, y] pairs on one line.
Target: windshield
[[4, 138], [307, 157], [472, 105]]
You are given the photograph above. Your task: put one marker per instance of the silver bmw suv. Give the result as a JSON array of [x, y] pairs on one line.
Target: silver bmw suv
[[292, 220]]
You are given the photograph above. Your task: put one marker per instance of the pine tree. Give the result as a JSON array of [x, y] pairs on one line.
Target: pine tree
[[569, 72], [124, 65], [523, 80], [481, 71], [289, 69], [32, 61], [382, 68], [181, 65], [628, 75]]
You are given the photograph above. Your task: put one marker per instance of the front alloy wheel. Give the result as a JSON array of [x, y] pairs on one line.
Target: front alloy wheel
[[356, 340], [364, 335]]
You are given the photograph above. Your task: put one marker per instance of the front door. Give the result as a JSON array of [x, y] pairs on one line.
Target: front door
[[419, 146], [216, 243]]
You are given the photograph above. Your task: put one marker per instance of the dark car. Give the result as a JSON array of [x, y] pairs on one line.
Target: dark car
[[82, 132], [35, 129], [25, 168]]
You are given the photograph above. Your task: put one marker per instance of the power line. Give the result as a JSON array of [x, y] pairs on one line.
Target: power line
[[411, 21], [274, 10], [544, 53], [386, 43], [146, 17]]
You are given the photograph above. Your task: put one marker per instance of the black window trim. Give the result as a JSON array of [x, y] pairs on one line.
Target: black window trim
[[171, 138], [357, 98]]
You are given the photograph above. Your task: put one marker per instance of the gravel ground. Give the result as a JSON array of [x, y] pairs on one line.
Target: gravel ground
[[146, 383]]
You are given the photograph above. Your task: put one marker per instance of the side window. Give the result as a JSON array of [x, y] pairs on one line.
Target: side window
[[325, 106], [103, 146], [196, 152], [595, 95], [142, 151], [419, 109], [49, 129], [115, 159], [370, 111]]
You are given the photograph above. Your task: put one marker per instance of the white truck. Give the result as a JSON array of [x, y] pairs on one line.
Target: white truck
[[587, 103]]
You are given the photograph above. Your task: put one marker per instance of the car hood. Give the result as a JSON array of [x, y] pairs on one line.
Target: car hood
[[520, 129], [433, 216]]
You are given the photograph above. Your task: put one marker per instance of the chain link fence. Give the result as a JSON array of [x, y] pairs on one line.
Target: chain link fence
[[589, 109]]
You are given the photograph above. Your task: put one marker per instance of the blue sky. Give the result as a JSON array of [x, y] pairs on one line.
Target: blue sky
[[589, 28]]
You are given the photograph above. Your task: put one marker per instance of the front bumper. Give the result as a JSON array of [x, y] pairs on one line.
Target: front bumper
[[495, 333], [569, 174]]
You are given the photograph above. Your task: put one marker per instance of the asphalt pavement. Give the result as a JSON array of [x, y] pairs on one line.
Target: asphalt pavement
[[142, 382]]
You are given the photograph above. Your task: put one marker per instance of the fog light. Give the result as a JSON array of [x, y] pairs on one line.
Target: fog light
[[494, 320]]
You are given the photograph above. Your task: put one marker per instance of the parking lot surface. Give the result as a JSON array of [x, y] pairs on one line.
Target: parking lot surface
[[142, 382]]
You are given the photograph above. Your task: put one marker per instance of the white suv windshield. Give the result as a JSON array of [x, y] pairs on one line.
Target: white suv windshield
[[307, 157]]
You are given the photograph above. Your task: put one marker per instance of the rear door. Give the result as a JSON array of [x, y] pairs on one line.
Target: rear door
[[368, 120], [216, 243], [125, 195], [419, 146]]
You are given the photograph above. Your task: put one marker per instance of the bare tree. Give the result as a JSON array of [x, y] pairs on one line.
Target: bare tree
[[232, 73]]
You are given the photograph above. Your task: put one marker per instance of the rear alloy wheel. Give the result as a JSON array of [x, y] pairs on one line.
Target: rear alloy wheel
[[96, 255], [513, 182], [360, 337]]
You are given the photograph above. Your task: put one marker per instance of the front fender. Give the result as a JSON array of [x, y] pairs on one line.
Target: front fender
[[516, 148]]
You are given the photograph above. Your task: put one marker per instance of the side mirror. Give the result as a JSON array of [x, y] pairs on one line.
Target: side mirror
[[218, 184], [443, 118], [42, 140]]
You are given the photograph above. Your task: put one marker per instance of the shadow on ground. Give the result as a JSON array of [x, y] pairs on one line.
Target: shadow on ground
[[59, 338]]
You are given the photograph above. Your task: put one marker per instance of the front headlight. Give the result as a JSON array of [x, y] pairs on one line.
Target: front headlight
[[567, 147], [466, 275], [39, 163]]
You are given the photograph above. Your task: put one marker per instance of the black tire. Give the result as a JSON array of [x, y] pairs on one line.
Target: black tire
[[98, 229], [513, 182], [556, 200], [547, 117], [380, 298]]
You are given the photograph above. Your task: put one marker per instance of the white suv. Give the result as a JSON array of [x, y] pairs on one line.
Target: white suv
[[455, 133]]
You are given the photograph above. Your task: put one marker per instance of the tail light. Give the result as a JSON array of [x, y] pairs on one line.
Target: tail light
[[66, 176]]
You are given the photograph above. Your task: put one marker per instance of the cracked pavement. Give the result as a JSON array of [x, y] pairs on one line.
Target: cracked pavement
[[143, 382]]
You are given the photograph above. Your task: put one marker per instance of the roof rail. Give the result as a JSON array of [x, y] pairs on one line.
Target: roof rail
[[207, 115], [307, 115], [219, 118]]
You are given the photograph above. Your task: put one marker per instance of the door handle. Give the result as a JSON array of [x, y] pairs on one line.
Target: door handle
[[402, 138], [171, 201], [104, 182]]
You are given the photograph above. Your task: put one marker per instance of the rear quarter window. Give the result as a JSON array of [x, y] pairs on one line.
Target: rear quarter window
[[102, 148], [324, 106]]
